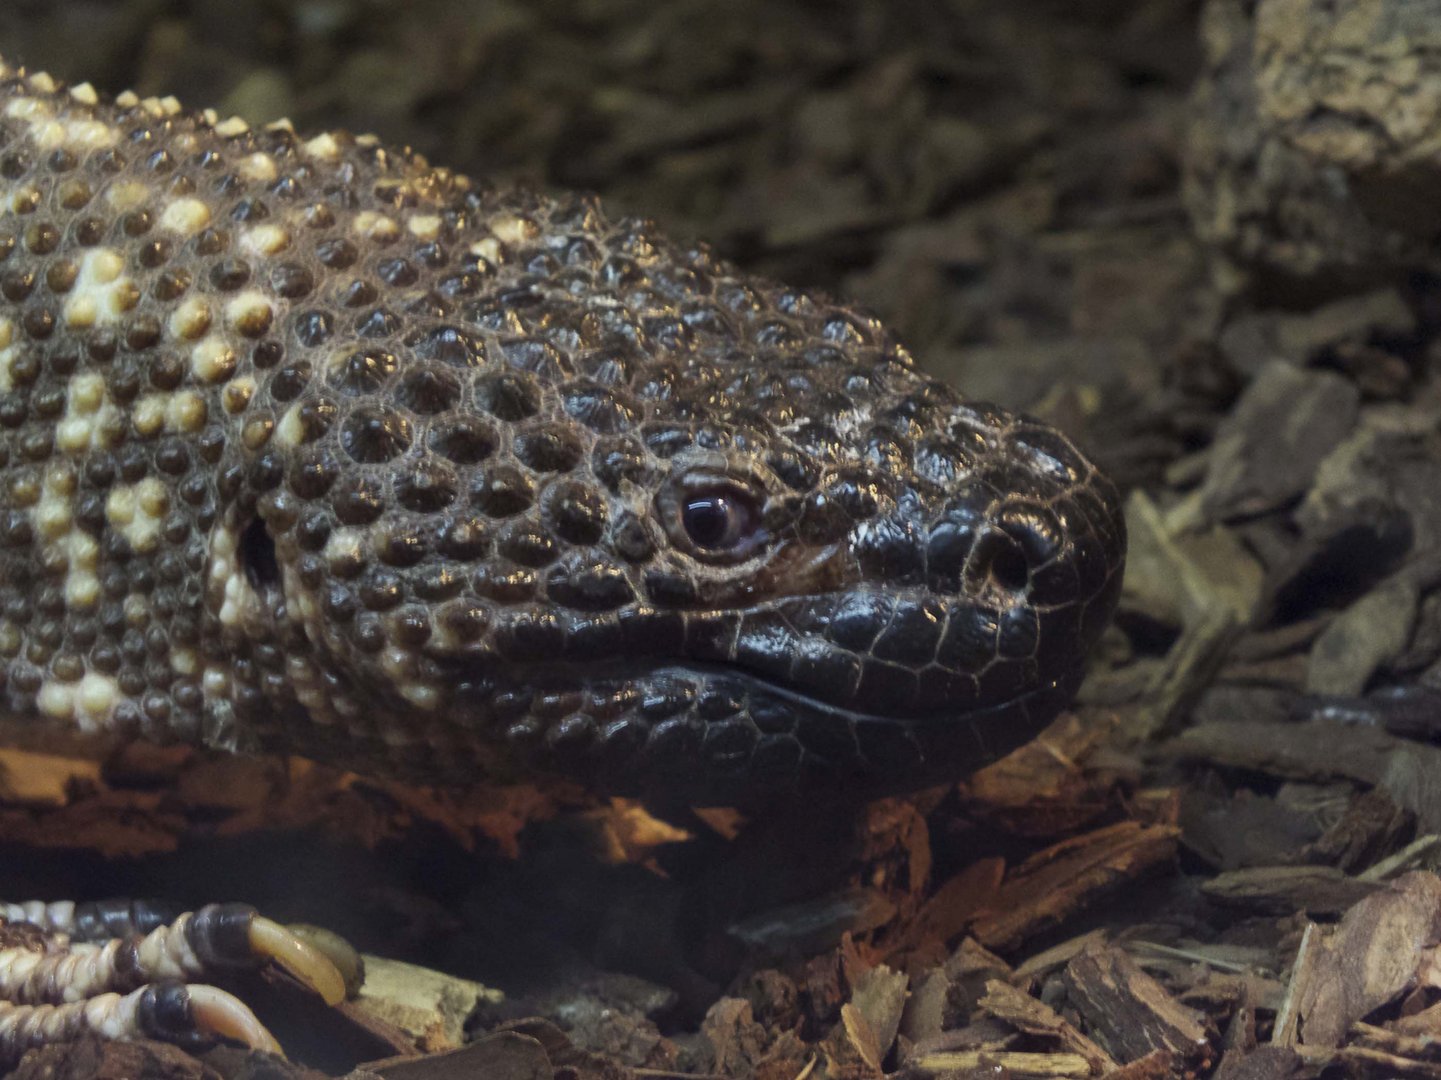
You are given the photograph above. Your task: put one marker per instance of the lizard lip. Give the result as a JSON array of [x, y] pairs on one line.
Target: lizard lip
[[801, 700], [894, 655], [861, 692], [693, 679], [718, 734]]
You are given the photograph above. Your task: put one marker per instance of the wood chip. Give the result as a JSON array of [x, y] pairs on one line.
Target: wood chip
[[1007, 1062], [1320, 890], [430, 1006], [1130, 1012], [1005, 1002], [1055, 883], [1384, 945]]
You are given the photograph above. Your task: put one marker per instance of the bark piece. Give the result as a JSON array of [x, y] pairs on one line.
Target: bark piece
[[505, 1055], [1319, 890], [1130, 1013], [1034, 1017], [1253, 339], [1383, 946], [950, 909], [880, 996], [1043, 788], [1371, 826], [1314, 751], [1263, 1063], [1239, 829], [1206, 582], [1268, 448], [1366, 637], [1054, 883], [430, 1006], [1157, 1065], [1005, 1062]]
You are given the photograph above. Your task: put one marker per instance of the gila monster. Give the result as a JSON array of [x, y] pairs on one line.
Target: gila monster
[[308, 445]]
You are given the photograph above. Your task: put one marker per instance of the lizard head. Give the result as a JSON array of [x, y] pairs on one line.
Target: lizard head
[[601, 505]]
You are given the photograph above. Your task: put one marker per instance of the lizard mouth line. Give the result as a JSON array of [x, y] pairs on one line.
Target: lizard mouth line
[[569, 675], [938, 715]]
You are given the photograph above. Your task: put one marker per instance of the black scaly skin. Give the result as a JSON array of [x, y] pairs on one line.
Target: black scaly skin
[[308, 445]]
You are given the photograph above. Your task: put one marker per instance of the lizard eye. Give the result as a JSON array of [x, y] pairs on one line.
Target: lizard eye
[[717, 519], [713, 518]]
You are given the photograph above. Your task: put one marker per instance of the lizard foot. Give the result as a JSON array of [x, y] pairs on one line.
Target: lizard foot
[[127, 970]]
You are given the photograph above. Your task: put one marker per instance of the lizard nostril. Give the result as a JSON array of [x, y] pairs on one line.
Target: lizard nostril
[[257, 556], [1000, 561], [1009, 551]]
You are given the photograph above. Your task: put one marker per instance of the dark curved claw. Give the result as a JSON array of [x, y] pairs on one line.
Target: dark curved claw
[[128, 969]]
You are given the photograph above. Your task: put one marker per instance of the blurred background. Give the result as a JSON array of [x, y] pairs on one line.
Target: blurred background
[[998, 181]]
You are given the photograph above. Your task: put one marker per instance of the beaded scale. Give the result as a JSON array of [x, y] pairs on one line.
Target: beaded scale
[[308, 445]]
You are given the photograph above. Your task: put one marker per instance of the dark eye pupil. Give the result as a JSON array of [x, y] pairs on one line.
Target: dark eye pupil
[[707, 520]]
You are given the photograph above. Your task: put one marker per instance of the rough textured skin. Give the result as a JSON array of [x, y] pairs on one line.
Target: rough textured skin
[[308, 445]]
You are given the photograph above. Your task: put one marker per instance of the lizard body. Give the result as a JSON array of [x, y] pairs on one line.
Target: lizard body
[[308, 445]]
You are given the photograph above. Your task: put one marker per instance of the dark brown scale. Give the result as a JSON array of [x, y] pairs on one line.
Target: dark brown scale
[[60, 276], [382, 591], [170, 285], [548, 449], [313, 328], [502, 490], [49, 403], [229, 274], [318, 216], [507, 395], [577, 512], [136, 223], [16, 284], [427, 391], [167, 371], [314, 418], [142, 332], [464, 440], [359, 294], [212, 242], [289, 382], [375, 448], [430, 486], [524, 542], [42, 238], [13, 166], [291, 280], [337, 254], [372, 434]]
